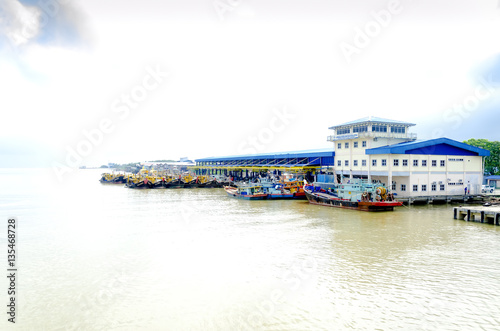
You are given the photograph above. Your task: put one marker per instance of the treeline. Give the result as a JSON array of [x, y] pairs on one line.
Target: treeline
[[492, 162]]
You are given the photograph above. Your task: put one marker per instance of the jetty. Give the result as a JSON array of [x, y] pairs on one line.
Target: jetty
[[481, 214], [443, 199]]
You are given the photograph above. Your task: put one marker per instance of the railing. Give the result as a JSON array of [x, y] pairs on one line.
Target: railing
[[409, 136]]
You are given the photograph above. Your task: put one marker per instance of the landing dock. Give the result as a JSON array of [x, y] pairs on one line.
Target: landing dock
[[482, 214], [443, 199]]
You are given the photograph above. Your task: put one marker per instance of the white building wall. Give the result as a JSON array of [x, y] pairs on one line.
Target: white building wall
[[449, 173]]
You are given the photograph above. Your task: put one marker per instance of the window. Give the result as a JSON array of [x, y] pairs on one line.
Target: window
[[395, 162], [363, 144], [424, 188], [339, 163], [397, 129], [379, 128], [363, 163], [441, 163], [415, 163], [403, 187], [355, 144], [346, 145], [374, 163], [434, 163], [424, 163], [405, 163], [339, 146], [343, 131], [355, 163], [393, 187], [415, 188], [441, 187], [362, 128], [433, 187], [346, 163], [384, 162]]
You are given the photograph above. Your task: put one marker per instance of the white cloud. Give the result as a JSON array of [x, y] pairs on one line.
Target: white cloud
[[19, 23]]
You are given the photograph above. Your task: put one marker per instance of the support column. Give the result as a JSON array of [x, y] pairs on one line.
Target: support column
[[369, 167]]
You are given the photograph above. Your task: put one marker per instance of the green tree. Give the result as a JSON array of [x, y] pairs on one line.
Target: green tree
[[492, 162]]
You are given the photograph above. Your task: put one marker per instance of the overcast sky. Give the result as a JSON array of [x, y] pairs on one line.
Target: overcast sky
[[91, 82]]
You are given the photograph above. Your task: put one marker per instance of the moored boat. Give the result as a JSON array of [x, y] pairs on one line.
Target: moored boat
[[246, 192], [276, 191], [113, 178], [296, 187], [358, 195]]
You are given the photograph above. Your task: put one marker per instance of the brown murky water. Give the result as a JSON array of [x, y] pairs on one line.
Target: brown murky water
[[103, 257]]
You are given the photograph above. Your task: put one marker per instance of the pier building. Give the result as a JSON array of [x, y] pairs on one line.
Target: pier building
[[374, 149], [384, 150]]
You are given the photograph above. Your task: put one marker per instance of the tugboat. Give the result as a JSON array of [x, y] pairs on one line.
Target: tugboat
[[358, 195]]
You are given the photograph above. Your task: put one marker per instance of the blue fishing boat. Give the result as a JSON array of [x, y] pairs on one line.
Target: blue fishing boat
[[277, 191], [251, 192]]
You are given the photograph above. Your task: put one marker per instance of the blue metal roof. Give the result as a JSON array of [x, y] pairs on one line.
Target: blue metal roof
[[372, 119], [439, 146], [325, 152], [494, 177]]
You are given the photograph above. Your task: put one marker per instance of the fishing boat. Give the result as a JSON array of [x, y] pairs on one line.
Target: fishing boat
[[296, 187], [251, 192], [174, 183], [356, 194], [204, 181], [276, 191], [108, 178]]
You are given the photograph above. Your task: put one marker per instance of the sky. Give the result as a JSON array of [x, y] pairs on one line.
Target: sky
[[91, 82]]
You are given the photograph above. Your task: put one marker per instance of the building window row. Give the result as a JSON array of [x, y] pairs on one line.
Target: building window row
[[354, 162], [398, 129], [379, 128], [343, 131], [423, 187], [362, 128], [395, 162], [355, 144]]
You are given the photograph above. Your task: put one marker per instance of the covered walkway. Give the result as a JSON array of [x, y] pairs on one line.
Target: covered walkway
[[240, 165]]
